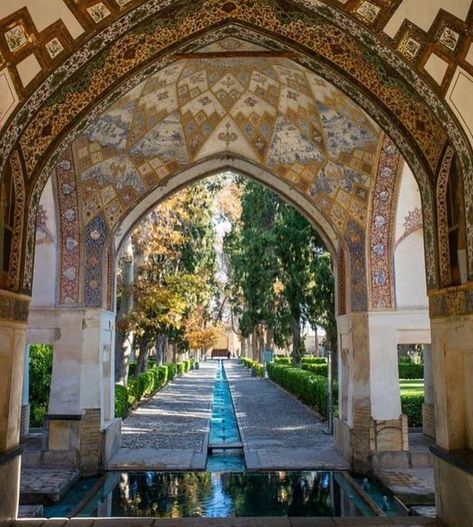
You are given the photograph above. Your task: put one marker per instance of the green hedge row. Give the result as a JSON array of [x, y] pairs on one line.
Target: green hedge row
[[411, 371], [253, 364], [146, 384], [282, 360], [313, 360], [411, 405], [318, 369], [311, 389]]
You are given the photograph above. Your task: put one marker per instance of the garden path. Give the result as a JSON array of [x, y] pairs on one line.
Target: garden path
[[278, 431], [170, 431]]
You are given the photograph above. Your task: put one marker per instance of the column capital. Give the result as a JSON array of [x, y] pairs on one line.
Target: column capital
[[451, 301], [14, 306]]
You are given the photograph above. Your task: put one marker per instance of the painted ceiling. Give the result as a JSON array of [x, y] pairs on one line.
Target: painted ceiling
[[270, 111]]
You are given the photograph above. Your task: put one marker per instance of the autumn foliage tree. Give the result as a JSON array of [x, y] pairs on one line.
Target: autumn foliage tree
[[174, 275]]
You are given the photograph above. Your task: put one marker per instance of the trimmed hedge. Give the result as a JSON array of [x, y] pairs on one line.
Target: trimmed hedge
[[282, 360], [121, 401], [313, 360], [255, 365], [172, 370], [317, 369], [146, 384], [311, 389], [411, 405], [411, 371]]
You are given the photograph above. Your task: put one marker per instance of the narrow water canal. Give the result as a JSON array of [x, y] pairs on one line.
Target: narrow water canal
[[225, 447], [224, 489]]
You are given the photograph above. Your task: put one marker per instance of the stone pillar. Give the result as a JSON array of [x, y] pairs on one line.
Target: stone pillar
[[13, 314], [389, 428], [452, 367], [81, 404], [428, 412], [25, 399], [371, 431]]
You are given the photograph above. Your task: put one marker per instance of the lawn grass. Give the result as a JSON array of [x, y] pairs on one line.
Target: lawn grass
[[412, 386]]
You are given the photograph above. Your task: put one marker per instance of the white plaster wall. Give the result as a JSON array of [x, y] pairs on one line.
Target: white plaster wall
[[409, 261], [387, 330], [83, 372], [44, 270]]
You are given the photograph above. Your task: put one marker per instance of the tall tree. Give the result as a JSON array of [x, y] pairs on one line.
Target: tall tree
[[280, 277]]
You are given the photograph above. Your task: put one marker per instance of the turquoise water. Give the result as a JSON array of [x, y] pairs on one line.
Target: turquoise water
[[380, 495], [224, 429], [71, 500], [225, 494]]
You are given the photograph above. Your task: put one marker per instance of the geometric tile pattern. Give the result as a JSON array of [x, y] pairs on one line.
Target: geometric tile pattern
[[272, 112]]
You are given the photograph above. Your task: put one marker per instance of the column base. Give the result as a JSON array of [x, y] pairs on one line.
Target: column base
[[384, 445], [428, 420], [453, 486], [9, 484], [74, 441]]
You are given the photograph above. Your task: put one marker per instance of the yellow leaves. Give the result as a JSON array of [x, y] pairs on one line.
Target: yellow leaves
[[197, 334]]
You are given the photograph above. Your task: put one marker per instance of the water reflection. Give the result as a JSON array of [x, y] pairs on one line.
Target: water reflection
[[223, 494]]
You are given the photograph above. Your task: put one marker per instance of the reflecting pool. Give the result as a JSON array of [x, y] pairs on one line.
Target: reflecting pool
[[223, 494]]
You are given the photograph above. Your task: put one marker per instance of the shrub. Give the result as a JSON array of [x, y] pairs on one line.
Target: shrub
[[172, 370], [411, 371], [146, 383], [411, 405], [40, 369], [162, 375], [253, 364], [181, 368], [318, 369], [247, 362], [134, 394], [121, 401], [282, 360], [37, 415], [132, 369], [311, 389], [313, 360], [192, 362]]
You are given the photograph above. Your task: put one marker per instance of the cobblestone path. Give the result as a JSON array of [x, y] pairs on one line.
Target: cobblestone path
[[170, 431], [278, 431]]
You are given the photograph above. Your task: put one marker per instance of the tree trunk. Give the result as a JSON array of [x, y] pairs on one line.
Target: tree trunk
[[160, 342], [254, 344], [269, 338], [296, 340], [123, 350], [142, 362]]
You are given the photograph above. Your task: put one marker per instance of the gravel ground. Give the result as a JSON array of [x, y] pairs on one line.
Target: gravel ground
[[177, 417]]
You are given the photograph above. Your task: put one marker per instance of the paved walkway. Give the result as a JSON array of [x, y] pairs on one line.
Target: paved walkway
[[170, 431], [278, 431]]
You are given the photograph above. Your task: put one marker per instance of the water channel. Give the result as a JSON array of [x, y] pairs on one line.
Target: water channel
[[224, 489]]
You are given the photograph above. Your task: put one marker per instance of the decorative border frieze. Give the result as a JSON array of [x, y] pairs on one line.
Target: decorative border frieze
[[451, 301], [14, 306]]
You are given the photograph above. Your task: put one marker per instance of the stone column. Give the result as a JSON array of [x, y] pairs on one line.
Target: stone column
[[452, 367], [389, 433], [13, 314], [428, 413], [371, 431], [81, 404], [25, 399]]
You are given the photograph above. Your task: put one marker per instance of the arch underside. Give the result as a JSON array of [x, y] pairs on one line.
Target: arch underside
[[410, 115]]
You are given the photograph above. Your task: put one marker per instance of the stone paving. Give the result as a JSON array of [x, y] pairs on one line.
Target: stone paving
[[278, 431], [42, 485], [170, 431]]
